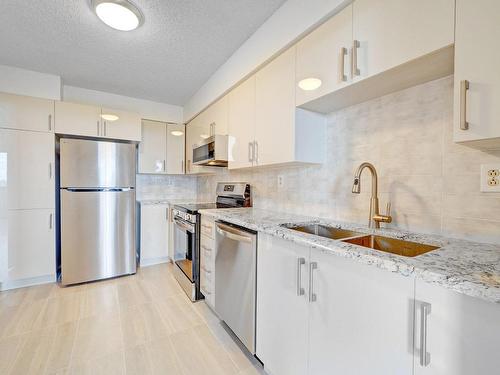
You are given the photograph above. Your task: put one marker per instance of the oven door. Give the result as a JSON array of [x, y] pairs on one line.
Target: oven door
[[185, 248]]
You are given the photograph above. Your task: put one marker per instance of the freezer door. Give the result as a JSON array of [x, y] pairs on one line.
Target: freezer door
[[97, 235], [97, 164]]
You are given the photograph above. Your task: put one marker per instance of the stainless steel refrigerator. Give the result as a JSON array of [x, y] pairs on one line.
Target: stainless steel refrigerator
[[97, 210]]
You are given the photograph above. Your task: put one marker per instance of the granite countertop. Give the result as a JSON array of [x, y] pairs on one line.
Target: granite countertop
[[467, 267], [170, 201]]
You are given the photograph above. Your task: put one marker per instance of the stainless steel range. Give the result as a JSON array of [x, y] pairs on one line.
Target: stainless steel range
[[187, 233]]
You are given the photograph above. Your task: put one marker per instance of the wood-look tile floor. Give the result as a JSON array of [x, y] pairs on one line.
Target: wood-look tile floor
[[140, 324]]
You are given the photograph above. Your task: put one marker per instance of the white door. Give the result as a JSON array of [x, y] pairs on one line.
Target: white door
[[463, 333], [176, 139], [275, 110], [323, 54], [241, 105], [361, 320], [119, 124], [154, 233], [477, 59], [31, 249], [153, 148], [282, 331], [393, 32], [78, 119], [26, 113], [28, 168]]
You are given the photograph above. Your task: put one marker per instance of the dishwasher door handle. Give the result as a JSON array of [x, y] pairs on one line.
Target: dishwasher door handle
[[233, 234]]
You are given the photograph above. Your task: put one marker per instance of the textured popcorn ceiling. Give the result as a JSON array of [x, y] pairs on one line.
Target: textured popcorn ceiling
[[181, 43]]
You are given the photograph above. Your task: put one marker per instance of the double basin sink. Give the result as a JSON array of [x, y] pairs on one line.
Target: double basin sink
[[372, 241]]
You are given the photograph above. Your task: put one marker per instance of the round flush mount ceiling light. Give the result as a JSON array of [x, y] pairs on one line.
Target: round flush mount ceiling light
[[109, 117], [309, 84], [119, 14], [177, 133]]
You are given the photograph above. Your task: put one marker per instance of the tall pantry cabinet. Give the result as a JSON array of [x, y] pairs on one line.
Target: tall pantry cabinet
[[27, 186]]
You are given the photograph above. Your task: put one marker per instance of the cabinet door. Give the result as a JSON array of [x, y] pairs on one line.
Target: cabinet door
[[216, 117], [121, 125], [154, 233], [323, 54], [463, 333], [176, 139], [195, 132], [275, 110], [241, 104], [282, 332], [78, 119], [477, 59], [153, 147], [362, 319], [28, 168], [31, 249], [393, 32], [26, 113]]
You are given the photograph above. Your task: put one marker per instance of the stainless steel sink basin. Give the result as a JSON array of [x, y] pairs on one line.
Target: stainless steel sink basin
[[325, 231], [392, 245]]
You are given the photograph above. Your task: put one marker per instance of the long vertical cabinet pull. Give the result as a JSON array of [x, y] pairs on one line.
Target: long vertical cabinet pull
[[50, 221], [105, 128], [312, 267], [355, 71], [250, 152], [50, 122], [255, 151], [342, 76], [300, 263], [464, 87], [164, 166], [425, 357], [98, 127], [50, 171], [182, 166]]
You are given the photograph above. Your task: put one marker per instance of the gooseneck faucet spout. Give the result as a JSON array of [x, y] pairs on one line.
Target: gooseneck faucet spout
[[375, 217]]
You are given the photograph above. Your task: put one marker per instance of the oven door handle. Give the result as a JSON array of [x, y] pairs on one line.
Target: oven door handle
[[184, 225]]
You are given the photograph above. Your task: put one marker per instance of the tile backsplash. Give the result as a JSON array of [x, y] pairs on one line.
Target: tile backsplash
[[432, 183], [158, 187]]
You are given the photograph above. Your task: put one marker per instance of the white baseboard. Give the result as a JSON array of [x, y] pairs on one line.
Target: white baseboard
[[14, 284], [152, 261]]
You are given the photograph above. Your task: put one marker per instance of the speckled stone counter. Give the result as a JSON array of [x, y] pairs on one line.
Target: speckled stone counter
[[466, 267]]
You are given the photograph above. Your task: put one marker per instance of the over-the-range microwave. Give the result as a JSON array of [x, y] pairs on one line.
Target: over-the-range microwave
[[211, 152]]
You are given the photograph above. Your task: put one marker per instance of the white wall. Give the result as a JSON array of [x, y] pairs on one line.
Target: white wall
[[292, 20], [27, 82], [147, 109]]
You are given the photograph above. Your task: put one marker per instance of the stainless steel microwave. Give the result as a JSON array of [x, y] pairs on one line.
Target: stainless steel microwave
[[211, 152]]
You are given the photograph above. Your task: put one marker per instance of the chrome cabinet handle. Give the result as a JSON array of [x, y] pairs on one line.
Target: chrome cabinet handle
[[256, 151], [164, 165], [425, 357], [182, 166], [50, 171], [167, 214], [98, 130], [312, 267], [250, 152], [355, 71], [342, 76], [105, 128], [300, 263], [464, 87], [50, 221], [50, 122]]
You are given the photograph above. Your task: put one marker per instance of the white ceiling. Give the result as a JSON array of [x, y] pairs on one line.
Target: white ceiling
[[180, 45]]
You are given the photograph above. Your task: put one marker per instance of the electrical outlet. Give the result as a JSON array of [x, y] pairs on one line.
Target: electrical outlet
[[281, 181], [490, 178]]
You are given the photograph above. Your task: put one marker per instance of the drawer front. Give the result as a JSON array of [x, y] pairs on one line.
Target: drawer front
[[207, 227]]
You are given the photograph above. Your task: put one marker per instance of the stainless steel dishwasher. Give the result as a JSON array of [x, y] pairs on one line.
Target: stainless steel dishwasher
[[236, 280]]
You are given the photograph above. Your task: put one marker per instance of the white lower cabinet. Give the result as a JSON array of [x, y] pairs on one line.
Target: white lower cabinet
[[360, 321], [154, 233], [30, 241], [207, 260], [462, 336], [282, 307]]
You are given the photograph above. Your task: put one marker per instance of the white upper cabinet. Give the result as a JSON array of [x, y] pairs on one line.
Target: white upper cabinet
[[393, 32], [323, 55], [26, 113], [28, 167], [284, 134], [361, 318], [176, 138], [153, 148], [462, 335], [92, 121], [477, 58], [78, 119], [215, 117], [121, 124], [282, 307], [241, 124]]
